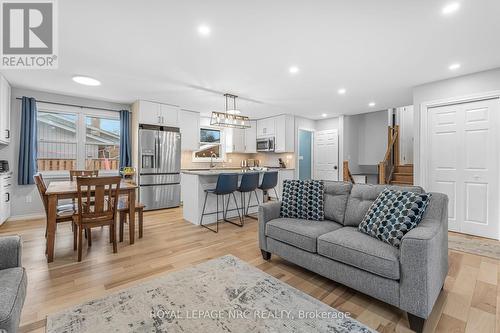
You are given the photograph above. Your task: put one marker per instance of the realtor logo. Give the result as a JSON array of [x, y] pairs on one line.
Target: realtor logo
[[28, 34]]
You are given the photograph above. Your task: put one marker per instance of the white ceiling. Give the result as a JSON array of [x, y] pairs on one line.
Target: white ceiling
[[377, 50]]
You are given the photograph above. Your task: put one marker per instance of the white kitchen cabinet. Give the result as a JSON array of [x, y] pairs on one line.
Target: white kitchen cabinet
[[153, 113], [5, 97], [5, 196], [251, 138], [235, 140], [189, 123], [284, 134], [169, 115], [266, 127]]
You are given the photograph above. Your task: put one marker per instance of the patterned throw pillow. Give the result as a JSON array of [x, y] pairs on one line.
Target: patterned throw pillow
[[393, 214], [303, 199]]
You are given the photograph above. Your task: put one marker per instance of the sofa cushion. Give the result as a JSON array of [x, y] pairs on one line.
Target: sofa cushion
[[12, 293], [303, 199], [393, 214], [363, 195], [352, 247], [336, 194], [300, 233]]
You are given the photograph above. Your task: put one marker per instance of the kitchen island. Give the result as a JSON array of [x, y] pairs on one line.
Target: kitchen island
[[194, 183]]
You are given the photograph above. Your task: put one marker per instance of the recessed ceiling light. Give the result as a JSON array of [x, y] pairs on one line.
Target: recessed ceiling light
[[342, 91], [86, 80], [293, 70], [450, 8], [371, 104], [324, 115], [204, 30], [454, 66]]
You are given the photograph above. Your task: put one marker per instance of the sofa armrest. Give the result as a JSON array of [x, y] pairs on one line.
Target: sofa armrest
[[267, 212], [424, 259], [10, 252]]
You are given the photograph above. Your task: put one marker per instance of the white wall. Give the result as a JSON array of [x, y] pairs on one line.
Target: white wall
[[22, 194], [365, 141], [456, 87]]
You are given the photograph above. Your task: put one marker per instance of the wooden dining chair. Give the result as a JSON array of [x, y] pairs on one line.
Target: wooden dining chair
[[97, 206], [124, 212], [82, 173], [64, 212]]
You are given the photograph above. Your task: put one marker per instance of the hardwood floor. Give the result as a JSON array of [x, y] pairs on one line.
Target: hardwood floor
[[470, 301]]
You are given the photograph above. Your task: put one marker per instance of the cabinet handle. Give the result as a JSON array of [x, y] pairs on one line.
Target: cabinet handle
[[159, 119], [8, 197], [8, 134]]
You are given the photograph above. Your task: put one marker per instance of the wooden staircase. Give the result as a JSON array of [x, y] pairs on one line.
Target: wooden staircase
[[403, 175], [389, 170]]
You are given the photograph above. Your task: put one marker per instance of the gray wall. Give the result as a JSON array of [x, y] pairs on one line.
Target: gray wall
[[365, 141], [456, 87], [26, 200]]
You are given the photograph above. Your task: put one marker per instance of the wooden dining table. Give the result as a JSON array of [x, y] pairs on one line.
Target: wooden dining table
[[58, 190]]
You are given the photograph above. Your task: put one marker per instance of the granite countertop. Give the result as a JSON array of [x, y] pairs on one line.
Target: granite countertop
[[212, 172]]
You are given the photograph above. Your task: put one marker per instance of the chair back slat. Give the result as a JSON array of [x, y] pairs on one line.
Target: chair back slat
[[42, 188], [82, 173], [97, 198]]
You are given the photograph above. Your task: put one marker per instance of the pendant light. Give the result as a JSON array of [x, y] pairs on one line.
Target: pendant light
[[231, 117]]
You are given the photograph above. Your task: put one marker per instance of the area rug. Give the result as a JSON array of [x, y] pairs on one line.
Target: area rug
[[220, 295], [480, 246]]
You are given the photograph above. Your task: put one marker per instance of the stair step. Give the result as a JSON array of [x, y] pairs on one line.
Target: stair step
[[407, 168], [403, 176], [401, 183]]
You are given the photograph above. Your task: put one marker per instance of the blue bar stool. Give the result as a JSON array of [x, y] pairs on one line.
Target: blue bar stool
[[249, 184], [227, 183], [269, 181]]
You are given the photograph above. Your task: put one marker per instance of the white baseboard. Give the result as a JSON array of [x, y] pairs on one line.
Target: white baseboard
[[27, 217]]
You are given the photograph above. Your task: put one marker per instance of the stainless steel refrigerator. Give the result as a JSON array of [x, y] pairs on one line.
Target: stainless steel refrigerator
[[159, 166]]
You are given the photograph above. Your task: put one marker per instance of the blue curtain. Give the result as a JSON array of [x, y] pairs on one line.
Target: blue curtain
[[125, 145], [27, 149]]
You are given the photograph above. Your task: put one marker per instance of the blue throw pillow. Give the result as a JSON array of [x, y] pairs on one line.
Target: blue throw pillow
[[303, 199], [393, 214]]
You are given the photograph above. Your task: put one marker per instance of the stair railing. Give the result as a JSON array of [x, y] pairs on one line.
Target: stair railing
[[347, 176], [391, 159]]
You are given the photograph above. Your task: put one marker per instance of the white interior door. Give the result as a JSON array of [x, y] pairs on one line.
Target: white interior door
[[463, 163], [326, 156]]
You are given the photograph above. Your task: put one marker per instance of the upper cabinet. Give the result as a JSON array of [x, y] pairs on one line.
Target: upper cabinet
[[5, 98], [241, 140], [266, 127], [152, 113], [251, 138], [189, 123], [282, 128]]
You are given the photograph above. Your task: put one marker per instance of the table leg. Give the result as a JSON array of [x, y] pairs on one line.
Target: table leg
[[131, 220], [51, 226]]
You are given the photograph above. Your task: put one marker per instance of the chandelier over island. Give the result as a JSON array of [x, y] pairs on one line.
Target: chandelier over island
[[231, 117]]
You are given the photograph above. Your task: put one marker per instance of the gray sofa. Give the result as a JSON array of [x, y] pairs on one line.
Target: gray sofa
[[409, 278], [13, 283]]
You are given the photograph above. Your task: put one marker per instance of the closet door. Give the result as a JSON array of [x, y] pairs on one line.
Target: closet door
[[463, 163]]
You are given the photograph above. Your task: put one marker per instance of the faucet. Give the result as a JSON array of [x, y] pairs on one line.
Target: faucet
[[212, 164]]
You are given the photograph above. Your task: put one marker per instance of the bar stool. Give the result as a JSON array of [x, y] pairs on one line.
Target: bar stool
[[249, 184], [269, 181], [227, 183]]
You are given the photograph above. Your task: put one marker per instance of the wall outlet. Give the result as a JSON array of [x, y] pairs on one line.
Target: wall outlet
[[28, 199]]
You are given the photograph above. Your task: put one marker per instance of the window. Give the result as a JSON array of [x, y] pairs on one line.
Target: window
[[210, 143], [77, 138], [102, 143], [57, 141]]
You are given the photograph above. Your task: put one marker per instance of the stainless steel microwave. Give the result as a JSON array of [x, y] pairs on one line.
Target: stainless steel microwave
[[265, 144]]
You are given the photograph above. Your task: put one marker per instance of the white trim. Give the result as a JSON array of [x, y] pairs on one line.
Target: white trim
[[34, 216], [424, 137], [312, 131]]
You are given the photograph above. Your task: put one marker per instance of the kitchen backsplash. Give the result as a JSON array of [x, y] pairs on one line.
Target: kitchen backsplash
[[234, 160]]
